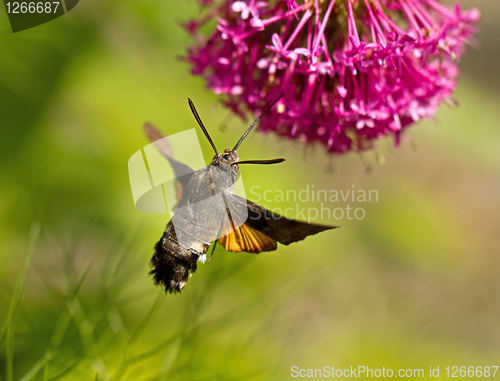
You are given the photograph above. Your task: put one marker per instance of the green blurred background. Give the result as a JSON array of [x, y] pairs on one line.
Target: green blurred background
[[414, 284]]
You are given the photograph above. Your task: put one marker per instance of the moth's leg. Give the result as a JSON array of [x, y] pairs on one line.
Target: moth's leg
[[212, 253]]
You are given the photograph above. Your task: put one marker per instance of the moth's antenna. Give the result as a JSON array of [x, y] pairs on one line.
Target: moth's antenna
[[273, 161], [255, 122], [198, 119]]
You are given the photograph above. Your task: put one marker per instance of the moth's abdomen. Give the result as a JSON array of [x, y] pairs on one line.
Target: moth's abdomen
[[172, 262]]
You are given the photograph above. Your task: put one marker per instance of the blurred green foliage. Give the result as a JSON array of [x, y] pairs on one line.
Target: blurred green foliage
[[412, 285]]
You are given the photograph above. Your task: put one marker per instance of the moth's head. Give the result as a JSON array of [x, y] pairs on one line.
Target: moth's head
[[226, 159], [230, 158]]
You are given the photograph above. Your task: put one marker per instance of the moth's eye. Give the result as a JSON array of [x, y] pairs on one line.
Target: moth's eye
[[227, 156]]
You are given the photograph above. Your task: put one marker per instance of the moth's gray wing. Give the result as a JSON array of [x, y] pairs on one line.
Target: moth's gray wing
[[182, 172], [279, 228]]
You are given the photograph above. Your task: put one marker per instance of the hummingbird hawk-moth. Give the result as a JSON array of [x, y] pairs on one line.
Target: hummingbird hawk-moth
[[209, 211]]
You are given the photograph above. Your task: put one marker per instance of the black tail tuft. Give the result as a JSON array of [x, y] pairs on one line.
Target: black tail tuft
[[171, 271]]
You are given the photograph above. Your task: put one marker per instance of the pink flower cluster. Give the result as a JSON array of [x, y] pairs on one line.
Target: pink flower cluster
[[350, 71]]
